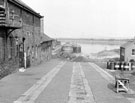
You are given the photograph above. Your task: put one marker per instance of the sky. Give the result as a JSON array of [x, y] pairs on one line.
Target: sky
[[86, 18]]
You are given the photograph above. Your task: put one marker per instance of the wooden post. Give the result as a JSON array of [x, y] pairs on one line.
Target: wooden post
[[129, 66]]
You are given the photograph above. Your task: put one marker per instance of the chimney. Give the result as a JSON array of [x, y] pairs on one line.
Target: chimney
[[42, 25]]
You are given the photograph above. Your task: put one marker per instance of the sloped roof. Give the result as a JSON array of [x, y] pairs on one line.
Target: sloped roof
[[25, 6], [125, 45], [45, 38], [68, 44]]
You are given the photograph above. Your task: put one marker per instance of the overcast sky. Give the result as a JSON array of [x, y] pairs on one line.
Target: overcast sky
[[87, 18]]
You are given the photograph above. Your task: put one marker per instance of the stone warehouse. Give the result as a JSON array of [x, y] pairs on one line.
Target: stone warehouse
[[22, 39]]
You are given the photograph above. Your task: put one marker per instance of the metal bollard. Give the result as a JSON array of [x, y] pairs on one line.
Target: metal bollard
[[126, 66], [117, 65], [132, 65], [122, 66]]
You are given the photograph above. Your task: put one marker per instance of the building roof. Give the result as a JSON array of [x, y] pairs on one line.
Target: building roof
[[125, 45], [25, 6], [68, 44], [45, 38]]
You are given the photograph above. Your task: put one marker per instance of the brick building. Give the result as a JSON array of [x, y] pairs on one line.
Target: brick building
[[21, 32]]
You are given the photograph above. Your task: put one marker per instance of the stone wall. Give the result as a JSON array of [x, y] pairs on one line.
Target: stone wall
[[30, 31]]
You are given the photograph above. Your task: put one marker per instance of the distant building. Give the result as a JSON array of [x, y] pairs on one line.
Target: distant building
[[21, 34], [71, 48], [127, 51]]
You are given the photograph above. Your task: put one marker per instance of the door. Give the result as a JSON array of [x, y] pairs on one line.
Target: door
[[21, 55]]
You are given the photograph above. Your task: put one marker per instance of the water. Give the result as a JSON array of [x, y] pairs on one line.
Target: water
[[94, 48], [88, 48]]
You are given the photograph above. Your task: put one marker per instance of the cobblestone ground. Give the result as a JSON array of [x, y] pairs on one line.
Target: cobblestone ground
[[80, 91]]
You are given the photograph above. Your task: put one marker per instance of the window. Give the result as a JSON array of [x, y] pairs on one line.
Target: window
[[133, 51]]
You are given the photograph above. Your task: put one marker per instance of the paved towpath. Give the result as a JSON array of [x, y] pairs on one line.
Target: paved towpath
[[59, 81]]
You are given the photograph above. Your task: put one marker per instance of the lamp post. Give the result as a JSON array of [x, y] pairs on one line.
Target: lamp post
[[24, 53]]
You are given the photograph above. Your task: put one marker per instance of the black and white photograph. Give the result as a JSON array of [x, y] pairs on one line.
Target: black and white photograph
[[67, 51]]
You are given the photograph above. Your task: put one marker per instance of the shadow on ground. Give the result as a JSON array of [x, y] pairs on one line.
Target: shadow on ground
[[111, 87]]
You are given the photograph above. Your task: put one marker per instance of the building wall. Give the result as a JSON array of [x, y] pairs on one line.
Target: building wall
[[46, 52], [128, 52], [30, 30], [29, 36], [2, 44]]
